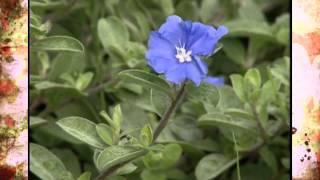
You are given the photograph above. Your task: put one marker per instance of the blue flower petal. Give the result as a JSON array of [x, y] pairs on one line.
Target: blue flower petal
[[194, 73], [202, 65], [195, 40], [161, 53], [158, 43], [203, 38], [161, 65], [173, 30], [216, 81], [177, 75]]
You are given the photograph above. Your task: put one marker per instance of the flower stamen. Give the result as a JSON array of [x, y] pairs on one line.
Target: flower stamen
[[183, 55]]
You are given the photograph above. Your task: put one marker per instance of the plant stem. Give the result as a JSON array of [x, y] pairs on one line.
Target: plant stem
[[168, 113], [237, 153]]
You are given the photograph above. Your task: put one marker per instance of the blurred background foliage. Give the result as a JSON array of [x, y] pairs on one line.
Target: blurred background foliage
[[78, 47]]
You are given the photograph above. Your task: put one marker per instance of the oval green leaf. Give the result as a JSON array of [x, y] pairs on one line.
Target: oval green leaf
[[105, 132], [222, 120], [115, 155], [212, 165], [82, 129], [112, 32], [35, 121], [145, 79], [58, 43]]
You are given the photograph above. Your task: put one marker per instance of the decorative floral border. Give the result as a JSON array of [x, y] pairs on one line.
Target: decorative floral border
[[13, 89], [306, 90]]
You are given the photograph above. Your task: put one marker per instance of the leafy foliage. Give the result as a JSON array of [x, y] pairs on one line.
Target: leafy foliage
[[95, 103]]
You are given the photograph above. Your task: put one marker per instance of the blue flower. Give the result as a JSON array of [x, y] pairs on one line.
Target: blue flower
[[216, 81], [175, 50]]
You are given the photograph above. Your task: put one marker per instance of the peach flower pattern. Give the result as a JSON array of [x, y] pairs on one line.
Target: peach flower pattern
[[306, 90]]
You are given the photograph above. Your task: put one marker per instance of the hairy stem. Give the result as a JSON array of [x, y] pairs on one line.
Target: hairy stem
[[168, 113]]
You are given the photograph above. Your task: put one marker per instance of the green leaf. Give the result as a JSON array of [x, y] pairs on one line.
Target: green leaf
[[146, 136], [247, 28], [134, 54], [144, 26], [239, 86], [36, 121], [58, 43], [154, 175], [47, 4], [208, 9], [167, 6], [212, 166], [269, 91], [51, 129], [207, 94], [285, 162], [176, 174], [222, 120], [228, 98], [254, 77], [134, 118], [112, 32], [63, 90], [235, 50], [270, 159], [84, 80], [281, 28], [107, 118], [145, 79], [66, 63], [239, 113], [36, 28], [126, 169], [46, 165], [159, 100], [105, 133], [250, 171], [69, 159], [280, 70], [187, 10], [250, 11], [117, 118], [85, 176], [165, 159], [82, 129], [115, 155]]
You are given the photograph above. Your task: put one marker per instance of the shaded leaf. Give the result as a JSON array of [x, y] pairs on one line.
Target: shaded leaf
[[85, 176], [35, 121], [46, 165], [212, 165], [165, 159]]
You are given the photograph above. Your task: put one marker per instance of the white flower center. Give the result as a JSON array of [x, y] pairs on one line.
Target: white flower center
[[183, 55]]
